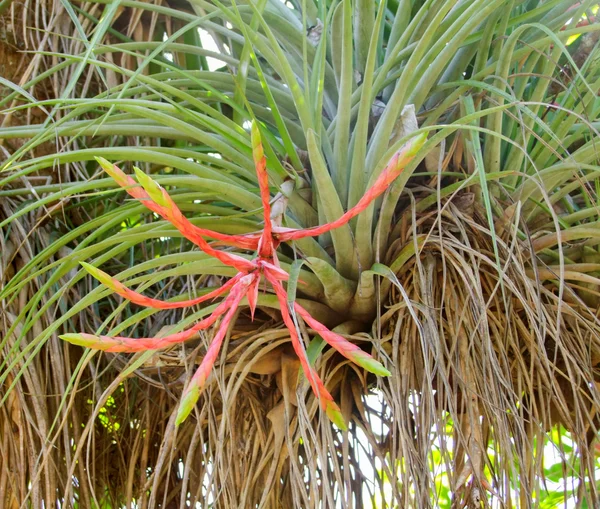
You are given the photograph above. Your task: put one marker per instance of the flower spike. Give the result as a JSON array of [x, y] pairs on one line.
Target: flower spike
[[125, 344], [116, 173], [168, 210], [342, 345], [135, 191], [321, 393], [137, 298], [193, 390], [393, 169], [265, 247]]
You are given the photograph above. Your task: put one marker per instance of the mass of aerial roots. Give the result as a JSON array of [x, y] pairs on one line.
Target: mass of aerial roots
[[498, 346]]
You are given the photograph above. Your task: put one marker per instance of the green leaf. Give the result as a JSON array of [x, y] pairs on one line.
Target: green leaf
[[346, 82], [339, 291], [475, 150], [359, 169], [292, 282], [331, 206], [365, 31]]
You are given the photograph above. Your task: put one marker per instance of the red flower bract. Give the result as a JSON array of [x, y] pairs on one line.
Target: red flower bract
[[245, 283]]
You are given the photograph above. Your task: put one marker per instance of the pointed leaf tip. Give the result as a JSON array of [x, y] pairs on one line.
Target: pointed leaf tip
[[252, 296], [416, 143], [104, 163], [255, 132], [100, 275], [335, 415], [154, 190], [88, 267], [256, 141], [364, 360], [86, 340], [70, 338], [383, 372], [114, 171], [188, 401]]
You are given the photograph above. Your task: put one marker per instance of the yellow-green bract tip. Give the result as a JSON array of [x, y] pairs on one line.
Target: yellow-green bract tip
[[188, 401], [71, 338], [371, 365], [100, 275], [106, 165], [152, 188], [114, 171], [255, 139], [254, 130], [416, 143], [335, 415], [88, 267], [80, 339]]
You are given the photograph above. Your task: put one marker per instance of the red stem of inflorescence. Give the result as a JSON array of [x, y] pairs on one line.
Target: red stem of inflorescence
[[245, 283]]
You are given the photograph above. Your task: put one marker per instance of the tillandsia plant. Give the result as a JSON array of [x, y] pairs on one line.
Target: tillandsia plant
[[246, 283]]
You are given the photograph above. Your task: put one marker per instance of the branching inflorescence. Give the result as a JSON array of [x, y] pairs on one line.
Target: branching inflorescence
[[243, 284]]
